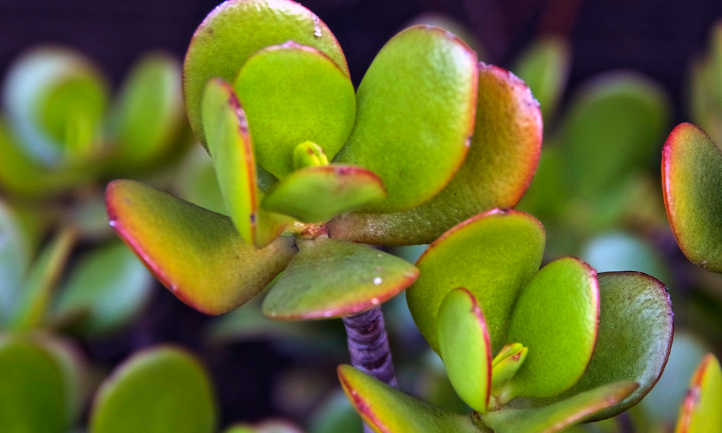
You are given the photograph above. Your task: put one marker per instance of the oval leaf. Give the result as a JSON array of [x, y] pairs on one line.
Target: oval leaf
[[195, 253], [332, 278], [415, 115], [691, 182], [700, 410], [235, 30], [493, 255], [156, 391], [501, 161], [386, 409], [292, 93], [635, 336], [556, 318], [465, 348], [317, 194]]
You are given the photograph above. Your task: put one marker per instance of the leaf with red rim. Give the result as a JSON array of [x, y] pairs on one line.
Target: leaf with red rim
[[332, 278], [317, 194], [692, 187], [235, 30], [497, 170], [415, 114], [493, 255], [700, 412], [195, 253], [465, 348], [388, 410]]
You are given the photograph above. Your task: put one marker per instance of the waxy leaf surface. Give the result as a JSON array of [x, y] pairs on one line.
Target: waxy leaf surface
[[560, 415], [497, 170], [332, 278], [692, 186], [415, 115], [156, 391], [197, 254], [700, 411], [556, 317], [317, 194], [235, 30], [493, 255], [465, 348], [635, 336], [388, 410], [293, 93]]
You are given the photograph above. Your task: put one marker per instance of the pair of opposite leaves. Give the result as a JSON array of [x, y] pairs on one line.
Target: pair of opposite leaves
[[203, 259]]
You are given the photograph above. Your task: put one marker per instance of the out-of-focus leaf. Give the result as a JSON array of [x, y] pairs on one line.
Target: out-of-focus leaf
[[496, 172], [623, 252], [195, 253], [691, 183], [335, 415], [156, 391], [493, 255], [332, 278], [108, 286], [386, 409], [293, 93], [15, 255], [75, 371], [453, 26], [265, 427], [199, 184], [416, 148], [700, 411], [706, 87], [237, 29]]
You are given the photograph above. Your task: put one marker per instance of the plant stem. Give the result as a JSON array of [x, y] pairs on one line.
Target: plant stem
[[368, 345]]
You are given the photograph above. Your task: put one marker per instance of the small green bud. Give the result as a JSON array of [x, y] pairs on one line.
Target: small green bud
[[308, 154], [507, 363]]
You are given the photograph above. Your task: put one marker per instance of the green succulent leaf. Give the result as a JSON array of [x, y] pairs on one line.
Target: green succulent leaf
[[493, 255], [386, 409], [706, 87], [497, 170], [556, 317], [33, 300], [317, 194], [506, 363], [700, 410], [293, 93], [332, 278], [691, 183], [156, 391], [335, 415], [148, 116], [465, 348], [415, 115], [199, 183], [560, 415], [634, 339], [15, 254], [197, 254], [229, 142], [545, 66], [107, 288], [237, 29]]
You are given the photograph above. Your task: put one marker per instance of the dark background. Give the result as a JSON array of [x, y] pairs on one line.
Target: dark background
[[657, 38]]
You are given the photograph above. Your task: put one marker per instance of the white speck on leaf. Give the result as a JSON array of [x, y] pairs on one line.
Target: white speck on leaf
[[317, 32], [378, 280]]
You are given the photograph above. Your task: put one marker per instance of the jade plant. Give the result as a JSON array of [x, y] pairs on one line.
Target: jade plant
[[705, 87], [313, 173], [700, 410]]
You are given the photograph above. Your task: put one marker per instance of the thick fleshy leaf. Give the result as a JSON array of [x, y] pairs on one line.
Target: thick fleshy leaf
[[560, 415], [692, 186], [465, 348], [235, 30], [317, 194], [415, 115], [700, 411], [493, 255], [333, 278], [635, 336], [199, 183], [15, 255], [556, 317], [497, 170], [75, 371], [706, 87], [335, 415], [229, 142], [149, 113], [55, 100], [386, 409], [33, 392], [293, 93], [107, 287], [156, 391], [34, 298], [506, 364], [195, 253], [544, 66]]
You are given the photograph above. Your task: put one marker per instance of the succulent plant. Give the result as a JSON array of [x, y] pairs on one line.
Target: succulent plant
[[705, 87], [700, 410]]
